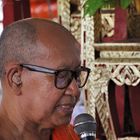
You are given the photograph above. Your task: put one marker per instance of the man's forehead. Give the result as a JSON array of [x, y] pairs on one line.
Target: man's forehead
[[68, 64], [55, 43], [58, 45], [58, 59]]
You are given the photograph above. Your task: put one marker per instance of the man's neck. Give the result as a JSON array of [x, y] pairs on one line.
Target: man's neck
[[12, 128]]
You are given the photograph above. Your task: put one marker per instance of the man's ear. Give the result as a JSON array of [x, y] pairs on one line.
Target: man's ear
[[14, 79]]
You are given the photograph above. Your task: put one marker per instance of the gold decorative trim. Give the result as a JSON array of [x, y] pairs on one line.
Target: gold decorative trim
[[64, 13]]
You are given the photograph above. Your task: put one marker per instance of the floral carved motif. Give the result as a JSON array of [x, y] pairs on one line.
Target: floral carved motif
[[126, 74]]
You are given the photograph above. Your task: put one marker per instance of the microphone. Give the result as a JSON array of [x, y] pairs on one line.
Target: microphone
[[85, 126]]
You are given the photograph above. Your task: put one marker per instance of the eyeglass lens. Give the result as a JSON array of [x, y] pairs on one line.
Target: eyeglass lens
[[64, 78]]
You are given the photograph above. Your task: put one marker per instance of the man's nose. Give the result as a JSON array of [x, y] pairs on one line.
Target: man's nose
[[73, 88]]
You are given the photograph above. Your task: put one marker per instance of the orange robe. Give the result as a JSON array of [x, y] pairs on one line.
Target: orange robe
[[65, 133]]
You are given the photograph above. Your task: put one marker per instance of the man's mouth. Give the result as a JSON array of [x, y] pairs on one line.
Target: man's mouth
[[65, 108]]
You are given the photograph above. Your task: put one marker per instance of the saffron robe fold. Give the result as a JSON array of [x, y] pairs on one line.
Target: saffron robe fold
[[65, 133]]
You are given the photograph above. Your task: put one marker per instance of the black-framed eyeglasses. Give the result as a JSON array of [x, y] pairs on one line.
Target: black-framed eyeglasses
[[63, 77]]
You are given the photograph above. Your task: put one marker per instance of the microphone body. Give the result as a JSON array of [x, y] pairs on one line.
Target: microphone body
[[85, 126]]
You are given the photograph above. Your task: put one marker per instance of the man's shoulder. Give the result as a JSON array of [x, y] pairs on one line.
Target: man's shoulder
[[1, 137], [3, 130], [65, 132]]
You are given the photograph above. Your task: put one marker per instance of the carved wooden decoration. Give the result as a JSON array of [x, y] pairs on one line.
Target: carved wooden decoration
[[64, 13], [119, 62]]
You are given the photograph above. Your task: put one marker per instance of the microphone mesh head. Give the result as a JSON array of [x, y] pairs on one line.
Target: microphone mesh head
[[84, 123]]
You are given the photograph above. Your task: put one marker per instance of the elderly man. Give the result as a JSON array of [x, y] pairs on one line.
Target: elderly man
[[41, 75]]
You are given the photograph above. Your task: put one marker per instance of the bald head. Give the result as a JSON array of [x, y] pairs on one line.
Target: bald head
[[18, 42]]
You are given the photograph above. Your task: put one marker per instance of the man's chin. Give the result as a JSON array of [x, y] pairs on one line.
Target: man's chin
[[57, 120], [64, 121]]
